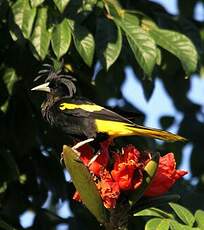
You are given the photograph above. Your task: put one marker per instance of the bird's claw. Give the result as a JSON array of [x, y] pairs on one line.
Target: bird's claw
[[94, 158], [75, 147], [81, 143]]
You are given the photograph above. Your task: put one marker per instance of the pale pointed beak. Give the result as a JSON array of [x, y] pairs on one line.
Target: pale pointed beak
[[44, 87]]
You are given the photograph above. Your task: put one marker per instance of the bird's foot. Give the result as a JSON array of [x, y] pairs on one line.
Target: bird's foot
[[75, 147], [81, 143], [94, 158]]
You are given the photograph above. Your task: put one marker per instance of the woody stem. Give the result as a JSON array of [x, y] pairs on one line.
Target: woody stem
[[119, 216]]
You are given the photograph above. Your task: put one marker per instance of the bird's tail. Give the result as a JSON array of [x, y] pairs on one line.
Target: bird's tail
[[155, 133], [117, 128]]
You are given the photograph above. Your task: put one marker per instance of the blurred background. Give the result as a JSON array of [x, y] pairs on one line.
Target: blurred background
[[35, 190]]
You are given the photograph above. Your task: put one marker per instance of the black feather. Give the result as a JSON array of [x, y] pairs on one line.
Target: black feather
[[49, 74]]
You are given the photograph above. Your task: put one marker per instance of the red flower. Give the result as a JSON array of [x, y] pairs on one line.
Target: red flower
[[126, 172], [109, 189], [86, 153], [165, 177], [128, 167], [123, 174], [100, 162]]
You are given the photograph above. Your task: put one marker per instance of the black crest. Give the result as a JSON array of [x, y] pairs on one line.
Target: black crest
[[50, 74]]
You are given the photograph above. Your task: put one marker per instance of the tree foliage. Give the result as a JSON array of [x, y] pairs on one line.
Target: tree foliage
[[98, 40]]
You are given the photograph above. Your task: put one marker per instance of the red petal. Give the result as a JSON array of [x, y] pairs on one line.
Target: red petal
[[86, 153], [165, 177], [123, 175], [109, 190]]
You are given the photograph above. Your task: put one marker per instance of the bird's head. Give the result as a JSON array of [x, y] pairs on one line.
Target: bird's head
[[55, 83]]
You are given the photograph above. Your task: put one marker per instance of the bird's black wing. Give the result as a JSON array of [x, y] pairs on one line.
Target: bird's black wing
[[101, 120], [84, 108]]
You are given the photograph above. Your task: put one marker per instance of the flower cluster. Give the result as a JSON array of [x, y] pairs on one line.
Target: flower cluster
[[115, 172]]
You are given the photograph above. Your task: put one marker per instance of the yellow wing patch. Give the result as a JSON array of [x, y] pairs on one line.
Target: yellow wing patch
[[113, 128], [86, 107]]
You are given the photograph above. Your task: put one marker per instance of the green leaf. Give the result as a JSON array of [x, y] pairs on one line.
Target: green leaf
[[141, 43], [9, 79], [179, 45], [61, 38], [148, 174], [41, 36], [157, 224], [24, 16], [154, 212], [127, 22], [199, 216], [174, 225], [114, 8], [159, 57], [35, 3], [84, 184], [184, 214], [83, 41], [109, 41], [3, 187], [61, 4]]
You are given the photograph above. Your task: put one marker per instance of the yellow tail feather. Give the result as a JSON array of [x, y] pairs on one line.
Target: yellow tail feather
[[157, 133], [116, 128]]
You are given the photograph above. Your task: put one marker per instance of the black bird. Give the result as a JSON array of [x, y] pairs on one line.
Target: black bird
[[80, 117]]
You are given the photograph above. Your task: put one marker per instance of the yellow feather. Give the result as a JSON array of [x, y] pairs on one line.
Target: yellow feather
[[86, 107], [113, 128], [116, 128]]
